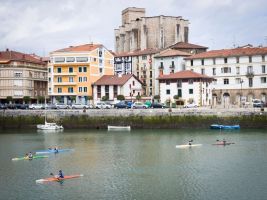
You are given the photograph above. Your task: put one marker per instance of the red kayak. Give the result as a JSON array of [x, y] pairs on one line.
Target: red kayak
[[51, 179]]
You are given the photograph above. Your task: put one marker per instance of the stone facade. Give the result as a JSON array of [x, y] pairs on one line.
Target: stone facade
[[138, 32]]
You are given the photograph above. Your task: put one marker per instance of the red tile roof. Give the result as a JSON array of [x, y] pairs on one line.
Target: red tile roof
[[84, 47], [115, 79], [171, 52], [7, 56], [183, 75], [230, 53], [186, 45]]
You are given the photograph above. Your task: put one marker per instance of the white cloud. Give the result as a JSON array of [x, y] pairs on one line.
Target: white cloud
[[43, 26]]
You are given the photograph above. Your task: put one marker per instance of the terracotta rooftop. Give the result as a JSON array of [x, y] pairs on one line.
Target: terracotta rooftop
[[186, 45], [114, 79], [230, 53], [84, 47], [7, 56], [171, 52], [183, 75]]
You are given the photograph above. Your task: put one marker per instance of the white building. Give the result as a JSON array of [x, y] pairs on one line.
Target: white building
[[189, 86], [113, 85], [240, 74]]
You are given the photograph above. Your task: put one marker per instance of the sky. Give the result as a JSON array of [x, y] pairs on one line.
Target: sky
[[42, 26]]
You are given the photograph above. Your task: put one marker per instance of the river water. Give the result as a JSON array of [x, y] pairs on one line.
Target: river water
[[141, 164]]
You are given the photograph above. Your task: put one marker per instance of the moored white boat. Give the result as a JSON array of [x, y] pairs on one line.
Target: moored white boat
[[49, 126], [119, 128]]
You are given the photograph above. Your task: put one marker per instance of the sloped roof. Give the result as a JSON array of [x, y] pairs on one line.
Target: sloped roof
[[171, 52], [7, 56], [84, 47], [186, 45], [230, 53], [115, 79], [183, 75]]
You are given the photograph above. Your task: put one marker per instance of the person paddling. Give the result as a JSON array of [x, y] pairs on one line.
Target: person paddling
[[190, 142], [30, 156]]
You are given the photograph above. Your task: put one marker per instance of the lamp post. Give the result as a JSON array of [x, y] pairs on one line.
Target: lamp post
[[241, 81]]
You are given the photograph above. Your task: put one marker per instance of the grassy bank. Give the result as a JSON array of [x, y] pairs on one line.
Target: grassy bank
[[167, 121]]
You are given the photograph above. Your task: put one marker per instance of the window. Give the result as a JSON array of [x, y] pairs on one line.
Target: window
[[59, 70], [49, 70], [59, 79], [94, 59], [98, 91], [167, 82], [250, 59], [17, 74], [115, 91], [49, 79], [202, 62], [214, 61], [144, 57], [190, 91], [70, 59], [263, 69], [225, 60], [100, 53], [237, 80], [85, 79], [107, 90], [168, 91], [59, 59], [71, 79], [226, 81], [250, 82], [85, 89], [237, 59], [100, 61], [150, 75], [179, 83], [173, 64], [202, 71], [80, 69], [192, 62], [237, 70], [263, 79], [263, 58], [59, 90], [150, 83], [80, 79], [82, 59], [161, 64], [250, 69], [213, 71], [133, 83], [70, 89], [84, 69], [190, 81], [80, 89], [179, 93], [100, 70], [70, 69]]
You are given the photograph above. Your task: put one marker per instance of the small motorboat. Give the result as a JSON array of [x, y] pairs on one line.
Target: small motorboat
[[227, 127], [119, 128]]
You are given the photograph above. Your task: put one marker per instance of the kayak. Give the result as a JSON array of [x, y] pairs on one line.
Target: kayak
[[26, 158], [52, 179], [52, 151], [187, 146], [227, 127], [221, 143]]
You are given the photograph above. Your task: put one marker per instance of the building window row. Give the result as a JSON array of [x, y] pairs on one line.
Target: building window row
[[82, 89], [82, 69], [71, 59]]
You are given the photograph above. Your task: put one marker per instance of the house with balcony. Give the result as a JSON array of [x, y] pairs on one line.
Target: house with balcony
[[239, 73], [22, 75], [72, 71], [185, 87], [111, 86]]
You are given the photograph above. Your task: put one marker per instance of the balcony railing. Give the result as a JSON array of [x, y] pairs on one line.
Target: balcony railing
[[250, 74]]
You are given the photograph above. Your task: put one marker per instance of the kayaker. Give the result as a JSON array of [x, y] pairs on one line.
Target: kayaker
[[60, 174], [190, 142], [30, 156], [224, 142], [56, 149]]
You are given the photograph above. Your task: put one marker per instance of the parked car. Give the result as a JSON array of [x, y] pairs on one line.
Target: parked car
[[257, 103], [121, 104], [50, 106], [100, 105], [36, 106], [79, 106], [157, 105], [139, 105], [62, 106], [191, 105], [3, 106], [22, 106]]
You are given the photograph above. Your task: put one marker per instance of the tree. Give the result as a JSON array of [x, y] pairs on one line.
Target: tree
[[104, 98], [58, 98], [72, 98], [26, 99], [176, 97], [138, 97], [120, 97], [41, 99], [157, 97], [9, 99]]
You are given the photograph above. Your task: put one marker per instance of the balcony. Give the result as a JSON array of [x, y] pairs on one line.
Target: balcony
[[65, 74], [250, 74], [65, 83]]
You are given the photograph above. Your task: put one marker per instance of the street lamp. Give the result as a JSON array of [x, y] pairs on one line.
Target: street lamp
[[241, 81]]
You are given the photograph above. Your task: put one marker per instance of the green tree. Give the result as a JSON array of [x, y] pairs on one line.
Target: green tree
[[26, 99], [157, 97], [41, 99], [9, 99], [72, 98], [104, 98], [138, 97], [58, 98], [120, 97]]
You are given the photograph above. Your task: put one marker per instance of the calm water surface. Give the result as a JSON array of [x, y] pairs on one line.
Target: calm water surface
[[141, 164]]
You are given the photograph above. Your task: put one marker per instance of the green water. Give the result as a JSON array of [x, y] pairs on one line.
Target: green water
[[141, 164]]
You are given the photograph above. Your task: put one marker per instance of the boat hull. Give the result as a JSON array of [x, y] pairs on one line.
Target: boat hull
[[227, 127], [54, 179], [52, 151], [119, 128], [184, 146], [26, 158]]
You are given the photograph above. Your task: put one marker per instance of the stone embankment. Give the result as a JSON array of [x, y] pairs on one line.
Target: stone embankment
[[141, 118]]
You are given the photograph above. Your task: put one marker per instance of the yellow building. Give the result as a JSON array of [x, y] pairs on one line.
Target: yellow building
[[73, 70]]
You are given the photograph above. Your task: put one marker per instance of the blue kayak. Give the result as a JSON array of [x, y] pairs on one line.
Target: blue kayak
[[47, 151], [226, 127]]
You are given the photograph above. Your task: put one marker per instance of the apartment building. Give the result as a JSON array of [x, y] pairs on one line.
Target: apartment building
[[72, 71], [21, 75], [240, 74], [139, 32]]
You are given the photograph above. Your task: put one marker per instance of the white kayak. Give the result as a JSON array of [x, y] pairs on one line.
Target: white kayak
[[187, 146]]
